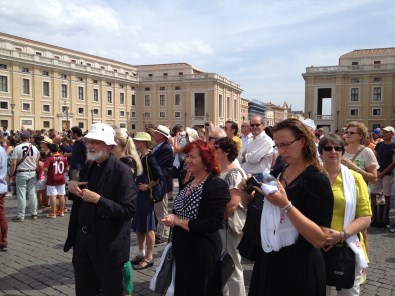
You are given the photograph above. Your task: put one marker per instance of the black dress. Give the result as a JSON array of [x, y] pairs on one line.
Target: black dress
[[299, 269], [197, 251]]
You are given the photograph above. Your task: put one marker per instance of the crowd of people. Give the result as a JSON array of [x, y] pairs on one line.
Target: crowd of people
[[330, 188]]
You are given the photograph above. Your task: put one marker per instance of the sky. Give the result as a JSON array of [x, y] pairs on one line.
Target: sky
[[265, 46]]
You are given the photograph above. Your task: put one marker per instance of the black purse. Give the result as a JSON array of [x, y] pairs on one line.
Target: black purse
[[250, 241], [340, 267]]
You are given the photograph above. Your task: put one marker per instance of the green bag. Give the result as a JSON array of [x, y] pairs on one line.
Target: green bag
[[127, 278]]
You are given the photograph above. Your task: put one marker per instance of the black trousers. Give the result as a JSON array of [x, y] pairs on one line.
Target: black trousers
[[91, 279]]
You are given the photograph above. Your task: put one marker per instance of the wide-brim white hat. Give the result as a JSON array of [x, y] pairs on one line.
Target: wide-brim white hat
[[101, 132], [163, 130], [192, 134]]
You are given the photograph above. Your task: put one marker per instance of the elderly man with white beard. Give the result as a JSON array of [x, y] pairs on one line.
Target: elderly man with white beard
[[99, 227]]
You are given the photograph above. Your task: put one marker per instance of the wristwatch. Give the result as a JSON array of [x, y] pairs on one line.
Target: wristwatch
[[346, 235]]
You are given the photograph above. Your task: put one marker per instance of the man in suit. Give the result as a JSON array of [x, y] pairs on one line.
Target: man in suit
[[163, 153], [99, 227]]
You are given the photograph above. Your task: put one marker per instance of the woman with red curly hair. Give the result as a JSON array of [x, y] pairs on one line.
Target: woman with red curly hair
[[197, 216]]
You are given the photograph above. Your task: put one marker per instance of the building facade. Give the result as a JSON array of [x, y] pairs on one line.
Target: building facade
[[46, 86], [361, 88]]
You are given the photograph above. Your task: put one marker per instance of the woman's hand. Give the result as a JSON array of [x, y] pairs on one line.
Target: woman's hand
[[142, 187], [334, 238], [169, 220], [278, 198]]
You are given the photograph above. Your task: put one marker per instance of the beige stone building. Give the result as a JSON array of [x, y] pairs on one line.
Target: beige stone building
[[46, 86], [361, 87]]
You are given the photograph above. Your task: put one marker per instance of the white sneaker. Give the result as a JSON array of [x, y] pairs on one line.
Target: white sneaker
[[8, 194]]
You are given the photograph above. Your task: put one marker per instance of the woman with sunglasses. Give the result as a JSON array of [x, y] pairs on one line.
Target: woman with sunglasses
[[351, 212], [359, 158], [295, 219]]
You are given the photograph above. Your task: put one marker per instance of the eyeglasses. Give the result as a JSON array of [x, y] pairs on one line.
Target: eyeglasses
[[351, 133], [255, 124], [212, 138], [284, 146], [330, 148]]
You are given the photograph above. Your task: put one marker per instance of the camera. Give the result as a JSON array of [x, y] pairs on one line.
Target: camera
[[251, 182]]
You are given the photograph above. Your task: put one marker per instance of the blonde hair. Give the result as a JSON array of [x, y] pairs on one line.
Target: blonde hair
[[362, 129], [128, 148]]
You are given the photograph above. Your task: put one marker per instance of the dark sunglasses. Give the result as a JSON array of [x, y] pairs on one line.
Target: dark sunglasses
[[255, 124], [330, 148], [351, 133]]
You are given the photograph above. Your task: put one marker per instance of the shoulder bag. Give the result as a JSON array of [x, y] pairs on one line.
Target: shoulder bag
[[226, 264], [157, 192]]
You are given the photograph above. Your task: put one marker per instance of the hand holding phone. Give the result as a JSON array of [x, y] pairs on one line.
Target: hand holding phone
[[251, 182]]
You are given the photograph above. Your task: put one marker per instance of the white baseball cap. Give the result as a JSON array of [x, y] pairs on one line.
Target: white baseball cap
[[101, 132]]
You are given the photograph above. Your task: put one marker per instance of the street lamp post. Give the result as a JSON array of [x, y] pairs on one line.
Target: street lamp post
[[337, 119], [92, 114], [185, 119], [12, 116], [67, 115], [309, 113]]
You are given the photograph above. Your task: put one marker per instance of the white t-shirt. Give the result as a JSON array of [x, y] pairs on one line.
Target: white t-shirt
[[364, 159], [30, 162]]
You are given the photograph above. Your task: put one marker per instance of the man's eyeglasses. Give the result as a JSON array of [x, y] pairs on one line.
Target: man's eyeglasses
[[284, 146], [255, 124], [351, 133], [330, 148]]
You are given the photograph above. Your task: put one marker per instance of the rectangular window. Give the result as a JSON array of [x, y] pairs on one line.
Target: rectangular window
[[63, 76], [354, 94], [377, 79], [133, 100], [354, 112], [354, 80], [46, 108], [80, 93], [147, 89], [199, 104], [162, 88], [177, 114], [376, 111], [3, 66], [177, 88], [81, 110], [25, 86], [45, 88], [25, 106], [133, 114], [108, 83], [162, 114], [96, 111], [81, 125], [4, 105], [109, 112], [64, 91], [377, 64], [122, 98], [376, 94], [162, 100], [122, 125], [177, 99], [46, 124], [80, 79], [147, 115], [109, 97], [221, 106], [25, 70], [3, 83], [147, 100], [95, 95], [122, 113], [133, 126], [45, 73], [95, 81]]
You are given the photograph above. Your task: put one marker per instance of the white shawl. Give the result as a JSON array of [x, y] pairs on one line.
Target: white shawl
[[277, 230], [350, 195]]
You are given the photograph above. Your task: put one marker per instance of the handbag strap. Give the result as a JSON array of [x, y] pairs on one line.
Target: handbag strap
[[356, 154], [148, 169]]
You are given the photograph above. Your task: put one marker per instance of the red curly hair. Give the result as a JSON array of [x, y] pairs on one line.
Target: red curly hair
[[207, 153]]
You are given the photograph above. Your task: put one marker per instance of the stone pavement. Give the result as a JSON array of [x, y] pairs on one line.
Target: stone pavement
[[35, 263]]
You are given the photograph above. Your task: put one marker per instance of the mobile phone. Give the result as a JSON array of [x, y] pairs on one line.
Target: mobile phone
[[251, 182]]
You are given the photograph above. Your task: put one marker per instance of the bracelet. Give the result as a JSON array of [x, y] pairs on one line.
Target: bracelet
[[287, 208]]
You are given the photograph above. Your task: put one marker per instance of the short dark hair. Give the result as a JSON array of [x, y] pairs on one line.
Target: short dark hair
[[233, 126], [53, 148], [76, 130], [229, 146], [330, 139]]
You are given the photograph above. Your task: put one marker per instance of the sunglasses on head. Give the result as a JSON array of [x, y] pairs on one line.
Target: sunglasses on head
[[330, 148]]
